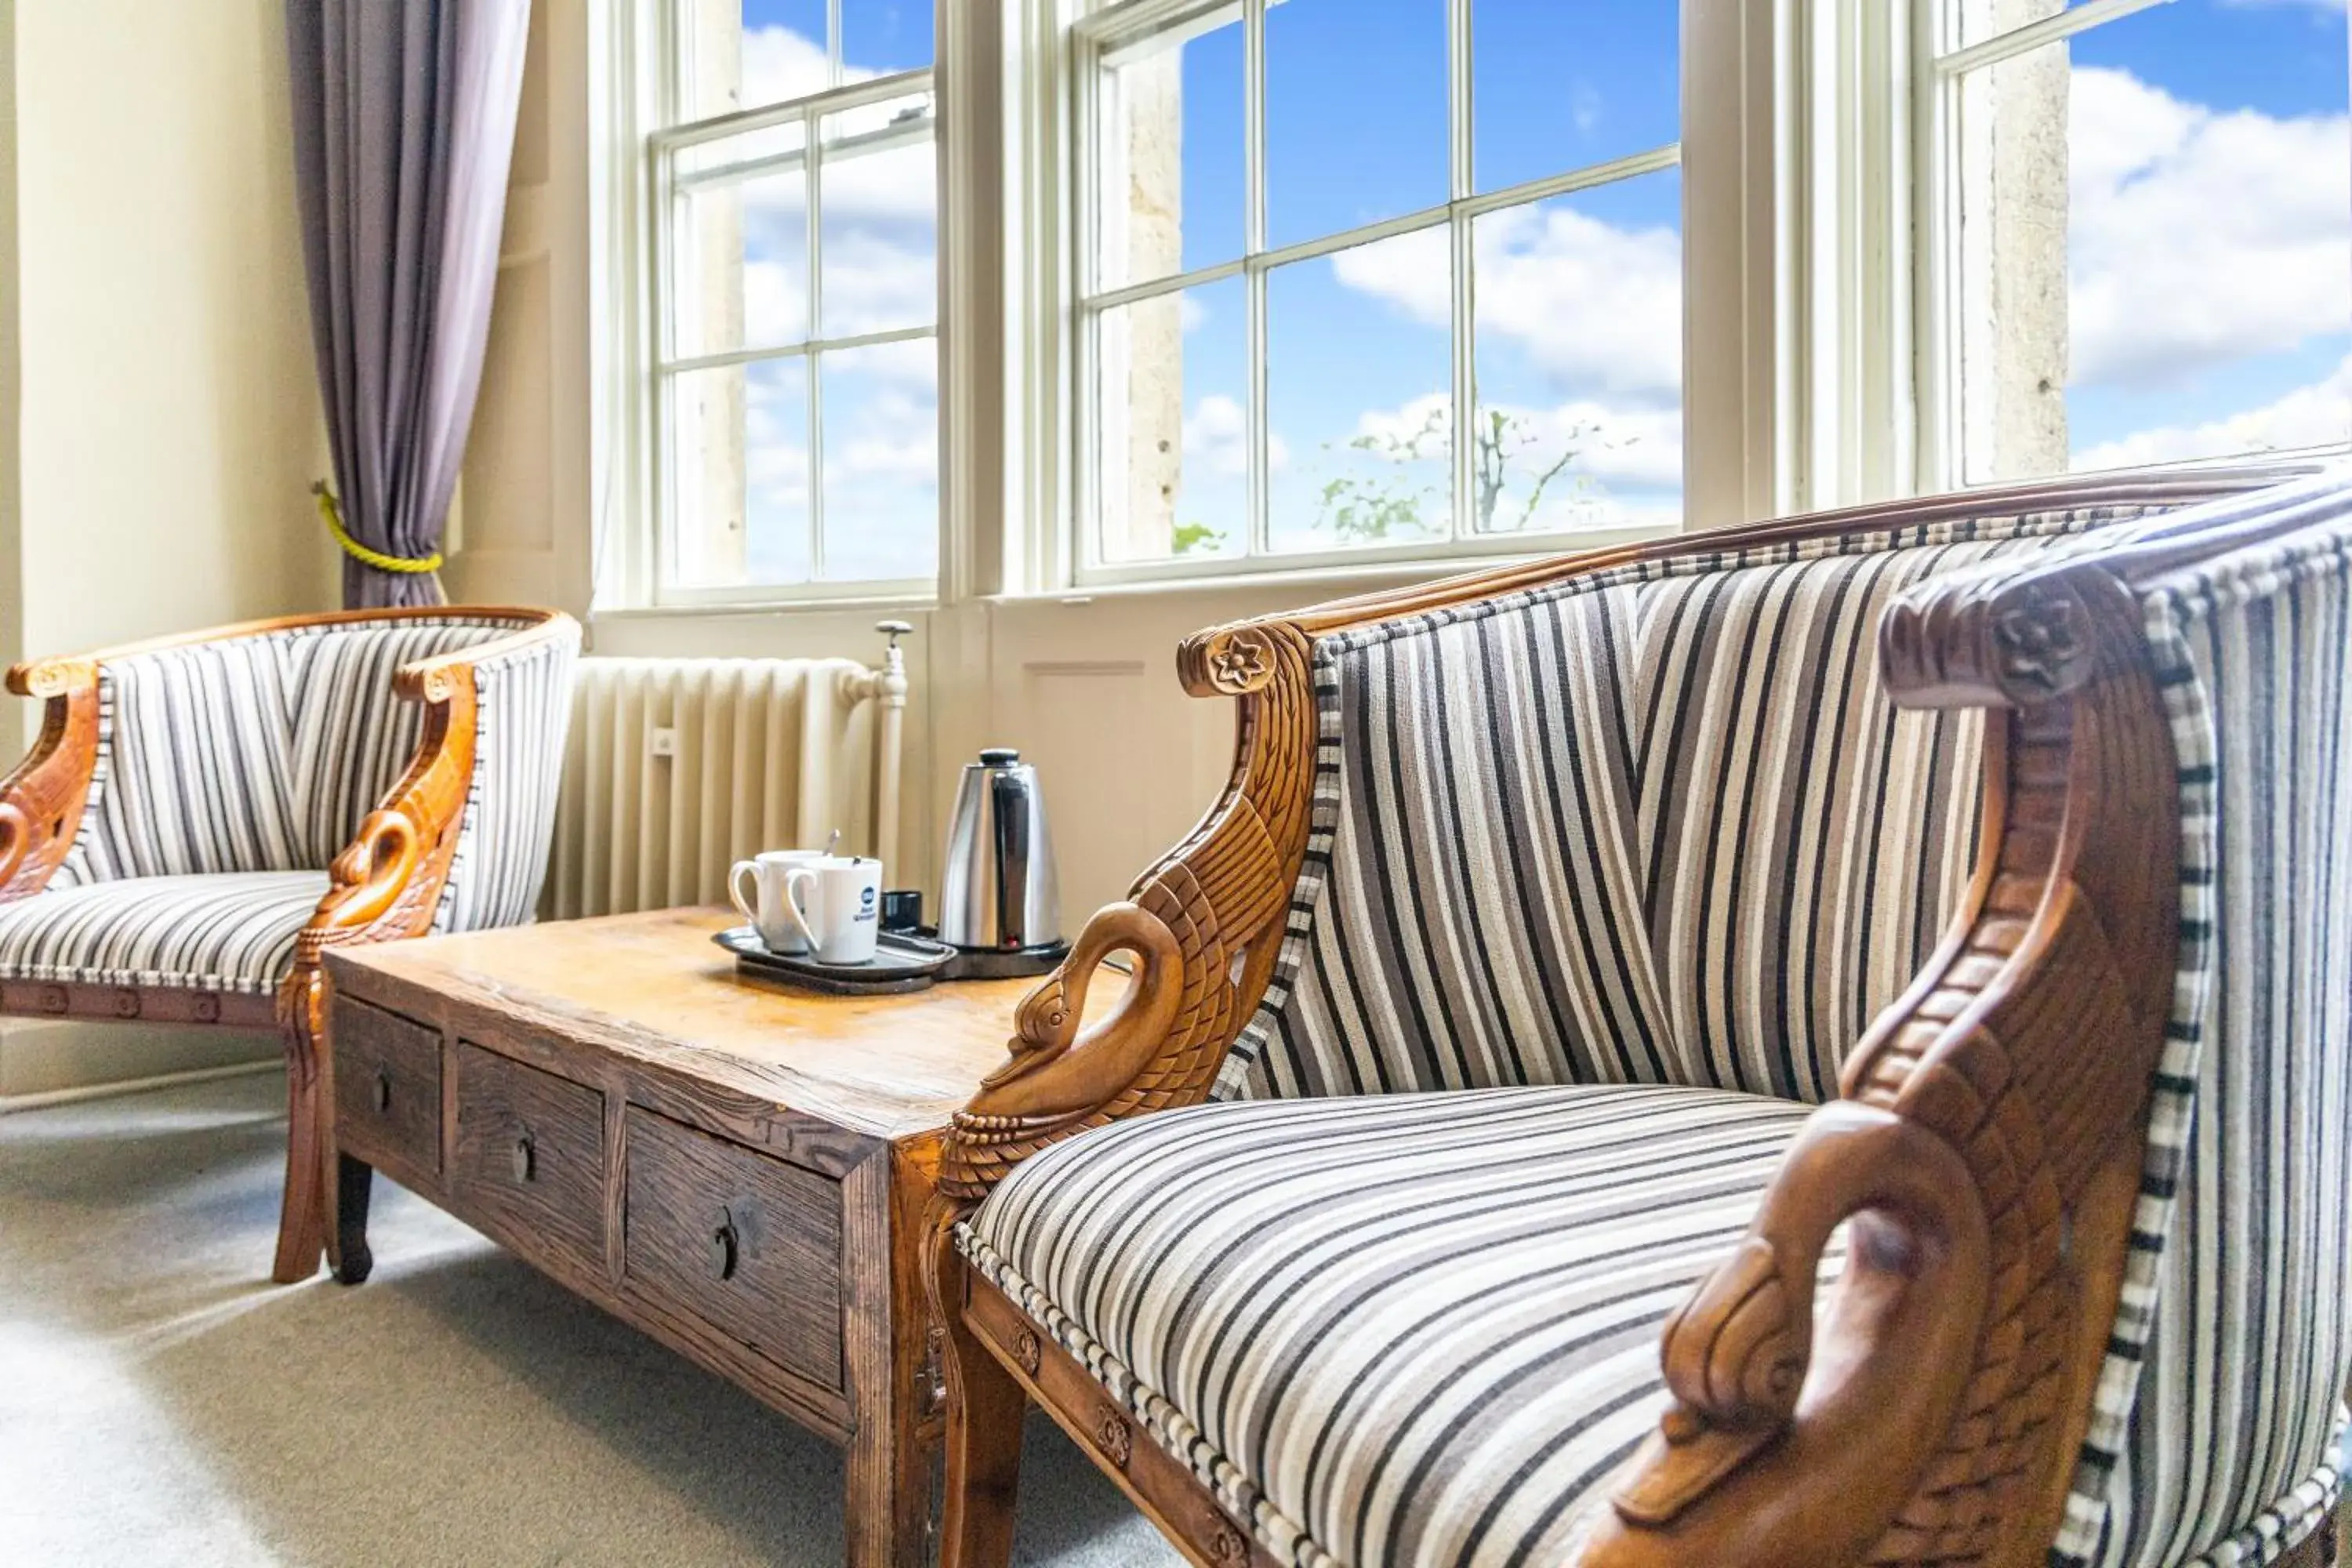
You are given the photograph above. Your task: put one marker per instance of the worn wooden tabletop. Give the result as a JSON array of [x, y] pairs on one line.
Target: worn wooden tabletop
[[654, 987]]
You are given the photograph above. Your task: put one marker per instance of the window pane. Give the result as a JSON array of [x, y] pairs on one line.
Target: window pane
[[2154, 244], [1356, 119], [739, 265], [1567, 83], [1359, 395], [739, 474], [881, 469], [1172, 424], [768, 52], [878, 213], [1170, 151], [1578, 335], [882, 37]]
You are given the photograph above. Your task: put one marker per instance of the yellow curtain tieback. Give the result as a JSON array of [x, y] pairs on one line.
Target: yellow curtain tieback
[[332, 514]]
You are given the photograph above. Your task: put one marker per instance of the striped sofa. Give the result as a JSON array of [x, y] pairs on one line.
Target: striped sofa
[[1825, 1044], [203, 816]]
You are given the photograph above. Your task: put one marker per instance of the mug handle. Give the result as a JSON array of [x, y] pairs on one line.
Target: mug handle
[[796, 878], [750, 912]]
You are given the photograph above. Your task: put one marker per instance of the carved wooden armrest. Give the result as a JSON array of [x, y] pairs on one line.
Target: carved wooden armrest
[[1205, 925], [387, 883], [1987, 1153], [41, 802]]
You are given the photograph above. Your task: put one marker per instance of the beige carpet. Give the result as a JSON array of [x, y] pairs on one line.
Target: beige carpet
[[162, 1403]]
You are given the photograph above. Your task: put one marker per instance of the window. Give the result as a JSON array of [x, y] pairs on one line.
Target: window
[[2139, 237], [796, 301], [1364, 278]]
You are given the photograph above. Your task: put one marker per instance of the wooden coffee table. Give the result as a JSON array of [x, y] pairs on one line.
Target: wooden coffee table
[[739, 1170]]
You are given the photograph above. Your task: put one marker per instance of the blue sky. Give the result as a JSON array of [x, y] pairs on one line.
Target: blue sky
[[2210, 268]]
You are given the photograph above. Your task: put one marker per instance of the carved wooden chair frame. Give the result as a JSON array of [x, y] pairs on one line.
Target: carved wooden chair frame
[[1986, 1149], [385, 884]]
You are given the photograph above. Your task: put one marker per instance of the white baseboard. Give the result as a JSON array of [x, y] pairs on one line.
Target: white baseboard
[[47, 1056], [13, 1103]]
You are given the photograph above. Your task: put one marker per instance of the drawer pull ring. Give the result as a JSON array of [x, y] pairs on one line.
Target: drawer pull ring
[[526, 1159], [723, 1244], [383, 1089]]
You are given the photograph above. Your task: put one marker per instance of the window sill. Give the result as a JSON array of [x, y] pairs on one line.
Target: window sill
[[877, 605], [1327, 581]]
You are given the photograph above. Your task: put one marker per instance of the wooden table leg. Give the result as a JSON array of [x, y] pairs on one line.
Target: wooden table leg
[[354, 1182], [893, 1365]]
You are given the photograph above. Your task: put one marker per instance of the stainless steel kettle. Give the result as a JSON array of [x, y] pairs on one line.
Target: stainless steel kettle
[[998, 893]]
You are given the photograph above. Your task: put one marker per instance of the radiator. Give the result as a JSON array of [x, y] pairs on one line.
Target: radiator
[[675, 768]]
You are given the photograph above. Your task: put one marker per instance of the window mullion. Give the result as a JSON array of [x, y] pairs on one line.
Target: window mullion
[[1464, 303], [813, 204], [1259, 483]]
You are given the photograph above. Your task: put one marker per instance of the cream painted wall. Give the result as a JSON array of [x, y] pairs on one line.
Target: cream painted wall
[[159, 418], [171, 424]]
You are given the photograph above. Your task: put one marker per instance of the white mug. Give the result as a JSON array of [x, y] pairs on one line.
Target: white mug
[[781, 880], [844, 907]]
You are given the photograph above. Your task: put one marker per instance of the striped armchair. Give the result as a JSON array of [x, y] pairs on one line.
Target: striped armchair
[[1814, 1046], [203, 816]]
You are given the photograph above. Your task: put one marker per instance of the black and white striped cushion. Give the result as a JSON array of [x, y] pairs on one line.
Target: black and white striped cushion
[[230, 931], [523, 710], [2215, 1441], [253, 753], [266, 754], [1392, 1331], [1656, 825]]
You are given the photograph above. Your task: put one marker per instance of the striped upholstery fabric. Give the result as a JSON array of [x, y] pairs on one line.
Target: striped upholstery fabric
[[254, 753], [1663, 829], [218, 931], [230, 774], [1388, 1331], [1655, 824], [524, 708], [2216, 1435]]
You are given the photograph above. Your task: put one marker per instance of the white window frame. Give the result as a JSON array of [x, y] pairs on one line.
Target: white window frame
[[1096, 39], [656, 236]]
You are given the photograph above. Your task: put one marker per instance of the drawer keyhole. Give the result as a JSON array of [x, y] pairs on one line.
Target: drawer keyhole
[[383, 1089], [526, 1159], [723, 1244]]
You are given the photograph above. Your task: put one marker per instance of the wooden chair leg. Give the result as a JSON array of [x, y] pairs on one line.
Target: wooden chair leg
[[985, 1408], [354, 1182], [303, 1212]]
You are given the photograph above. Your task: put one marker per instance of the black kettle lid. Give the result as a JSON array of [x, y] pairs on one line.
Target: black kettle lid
[[999, 756]]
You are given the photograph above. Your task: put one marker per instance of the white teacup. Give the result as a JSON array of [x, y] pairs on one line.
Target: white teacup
[[842, 906], [781, 882]]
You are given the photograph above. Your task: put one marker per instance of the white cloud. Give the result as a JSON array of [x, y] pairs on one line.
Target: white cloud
[[2197, 236], [2310, 416], [1216, 435], [780, 64], [1191, 314], [1596, 306]]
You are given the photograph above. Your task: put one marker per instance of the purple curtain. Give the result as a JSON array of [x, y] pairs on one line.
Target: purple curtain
[[403, 125]]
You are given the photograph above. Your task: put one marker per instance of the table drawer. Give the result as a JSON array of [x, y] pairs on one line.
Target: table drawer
[[387, 1086], [528, 1157], [748, 1244]]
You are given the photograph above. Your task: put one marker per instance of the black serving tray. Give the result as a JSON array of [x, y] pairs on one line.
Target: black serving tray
[[900, 963]]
